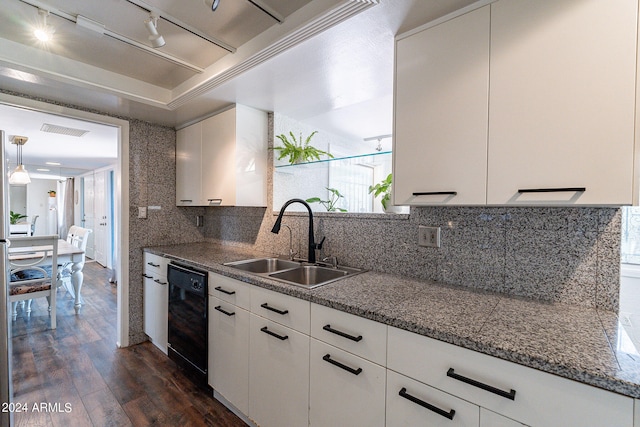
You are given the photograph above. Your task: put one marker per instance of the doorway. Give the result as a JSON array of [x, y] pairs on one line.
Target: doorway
[[120, 201]]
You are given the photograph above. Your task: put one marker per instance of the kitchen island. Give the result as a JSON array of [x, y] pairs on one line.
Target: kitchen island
[[581, 344]]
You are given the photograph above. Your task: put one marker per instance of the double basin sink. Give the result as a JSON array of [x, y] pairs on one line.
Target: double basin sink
[[294, 272]]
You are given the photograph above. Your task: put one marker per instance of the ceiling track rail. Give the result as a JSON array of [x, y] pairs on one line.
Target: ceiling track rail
[[316, 27], [175, 21], [120, 37], [266, 9]]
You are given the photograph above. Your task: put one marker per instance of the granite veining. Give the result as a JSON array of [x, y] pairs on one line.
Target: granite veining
[[578, 343]]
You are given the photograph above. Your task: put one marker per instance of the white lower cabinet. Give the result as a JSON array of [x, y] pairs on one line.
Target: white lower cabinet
[[156, 300], [524, 394], [344, 389], [491, 419], [411, 403], [278, 374], [229, 352]]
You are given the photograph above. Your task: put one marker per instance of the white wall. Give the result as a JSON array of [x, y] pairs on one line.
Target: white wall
[[37, 203]]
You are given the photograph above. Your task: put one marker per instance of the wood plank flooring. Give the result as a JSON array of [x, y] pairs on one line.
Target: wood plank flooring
[[83, 379]]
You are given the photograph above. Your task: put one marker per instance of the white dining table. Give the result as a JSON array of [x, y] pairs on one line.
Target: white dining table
[[67, 253]]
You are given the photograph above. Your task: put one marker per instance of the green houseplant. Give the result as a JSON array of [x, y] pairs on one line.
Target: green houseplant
[[298, 150], [383, 188], [330, 205], [14, 217]]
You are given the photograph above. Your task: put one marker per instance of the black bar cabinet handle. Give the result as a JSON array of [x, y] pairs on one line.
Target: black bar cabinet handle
[[328, 328], [224, 291], [223, 311], [552, 190], [327, 358], [275, 310], [147, 276], [506, 394], [436, 193], [152, 264], [160, 282], [449, 415], [273, 334], [186, 200]]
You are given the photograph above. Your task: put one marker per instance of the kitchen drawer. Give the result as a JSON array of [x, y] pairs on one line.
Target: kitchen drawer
[[491, 419], [540, 398], [230, 290], [344, 387], [284, 309], [357, 335], [421, 405], [155, 264]]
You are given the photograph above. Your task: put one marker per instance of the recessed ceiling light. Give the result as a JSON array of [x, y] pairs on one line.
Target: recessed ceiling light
[[63, 130], [52, 163]]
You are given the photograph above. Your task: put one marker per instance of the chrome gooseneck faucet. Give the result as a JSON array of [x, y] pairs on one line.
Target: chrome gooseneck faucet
[[312, 244]]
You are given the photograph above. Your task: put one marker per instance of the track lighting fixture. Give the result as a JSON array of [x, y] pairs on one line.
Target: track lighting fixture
[[213, 4], [152, 26], [19, 175], [44, 32], [379, 138]]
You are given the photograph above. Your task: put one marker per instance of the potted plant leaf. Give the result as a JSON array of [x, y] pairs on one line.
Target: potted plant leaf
[[14, 217], [297, 150], [330, 205], [383, 188]]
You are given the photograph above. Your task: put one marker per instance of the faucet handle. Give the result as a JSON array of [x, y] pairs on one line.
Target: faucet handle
[[319, 245], [332, 260]]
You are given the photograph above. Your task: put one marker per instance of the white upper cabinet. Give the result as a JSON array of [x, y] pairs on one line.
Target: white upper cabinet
[[561, 110], [222, 161], [441, 109], [518, 102]]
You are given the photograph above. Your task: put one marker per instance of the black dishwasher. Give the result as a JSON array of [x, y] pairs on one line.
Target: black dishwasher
[[188, 337]]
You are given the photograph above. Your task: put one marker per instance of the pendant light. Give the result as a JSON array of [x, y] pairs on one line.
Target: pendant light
[[20, 175]]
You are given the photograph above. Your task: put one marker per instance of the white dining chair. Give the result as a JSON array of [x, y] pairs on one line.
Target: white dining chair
[[30, 277], [78, 237]]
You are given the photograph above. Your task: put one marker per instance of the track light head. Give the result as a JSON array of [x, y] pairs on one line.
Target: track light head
[[213, 4], [44, 32], [155, 38]]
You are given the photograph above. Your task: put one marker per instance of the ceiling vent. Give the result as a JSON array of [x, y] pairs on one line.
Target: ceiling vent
[[62, 130]]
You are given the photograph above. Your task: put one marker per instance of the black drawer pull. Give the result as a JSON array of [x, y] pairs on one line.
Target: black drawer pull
[[275, 310], [146, 276], [158, 281], [152, 264], [186, 200], [436, 193], [327, 358], [552, 190], [506, 394], [224, 291], [328, 328], [223, 311], [450, 414], [273, 334]]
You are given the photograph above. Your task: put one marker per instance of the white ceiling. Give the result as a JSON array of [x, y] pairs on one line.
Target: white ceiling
[[328, 64]]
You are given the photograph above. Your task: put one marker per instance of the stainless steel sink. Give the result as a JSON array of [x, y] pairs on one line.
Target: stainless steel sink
[[263, 265], [293, 272]]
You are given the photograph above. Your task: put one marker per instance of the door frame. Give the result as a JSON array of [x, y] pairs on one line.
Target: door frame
[[120, 193]]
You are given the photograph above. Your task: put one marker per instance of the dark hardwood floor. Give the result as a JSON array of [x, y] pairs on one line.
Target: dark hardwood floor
[[83, 379]]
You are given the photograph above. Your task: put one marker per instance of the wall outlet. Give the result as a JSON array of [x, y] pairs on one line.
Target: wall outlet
[[429, 236]]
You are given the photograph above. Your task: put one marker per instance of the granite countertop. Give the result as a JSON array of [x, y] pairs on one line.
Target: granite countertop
[[578, 343]]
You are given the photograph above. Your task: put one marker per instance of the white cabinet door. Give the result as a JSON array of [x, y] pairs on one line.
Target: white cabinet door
[[411, 403], [188, 165], [491, 419], [345, 389], [278, 374], [441, 110], [218, 159], [156, 309], [562, 101], [229, 352]]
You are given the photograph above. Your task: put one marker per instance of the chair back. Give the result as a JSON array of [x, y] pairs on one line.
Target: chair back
[[33, 224], [27, 255], [78, 236]]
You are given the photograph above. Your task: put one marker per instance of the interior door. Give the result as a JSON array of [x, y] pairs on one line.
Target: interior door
[[101, 225], [88, 212]]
